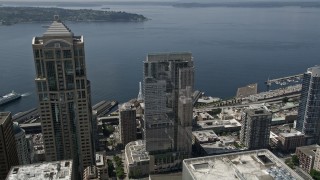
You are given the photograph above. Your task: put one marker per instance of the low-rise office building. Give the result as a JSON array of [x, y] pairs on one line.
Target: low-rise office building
[[206, 142], [62, 170], [219, 126], [99, 171], [290, 141], [137, 159], [257, 164]]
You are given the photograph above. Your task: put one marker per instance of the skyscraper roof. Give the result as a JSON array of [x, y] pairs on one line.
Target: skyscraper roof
[[57, 28], [3, 117]]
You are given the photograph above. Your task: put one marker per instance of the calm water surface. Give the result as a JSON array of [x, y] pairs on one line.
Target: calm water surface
[[232, 47]]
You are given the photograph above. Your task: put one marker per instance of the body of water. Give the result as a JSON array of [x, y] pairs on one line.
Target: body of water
[[231, 47]]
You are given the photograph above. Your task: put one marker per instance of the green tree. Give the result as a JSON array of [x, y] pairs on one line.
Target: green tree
[[295, 160], [110, 168], [289, 163], [120, 173], [108, 130], [119, 167], [315, 174]]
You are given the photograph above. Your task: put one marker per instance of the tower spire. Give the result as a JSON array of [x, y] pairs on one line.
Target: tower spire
[[140, 97]]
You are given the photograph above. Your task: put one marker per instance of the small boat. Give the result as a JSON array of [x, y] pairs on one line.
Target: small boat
[[9, 98]]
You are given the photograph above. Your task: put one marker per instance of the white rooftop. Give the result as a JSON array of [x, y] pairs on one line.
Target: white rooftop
[[136, 152], [315, 71], [61, 170], [205, 135], [249, 165], [219, 123], [291, 134], [224, 145], [99, 160], [208, 99], [126, 106]]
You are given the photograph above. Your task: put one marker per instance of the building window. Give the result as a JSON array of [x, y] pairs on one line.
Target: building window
[[67, 54], [58, 54], [48, 54]]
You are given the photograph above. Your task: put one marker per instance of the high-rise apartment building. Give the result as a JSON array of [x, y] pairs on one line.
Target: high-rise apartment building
[[255, 129], [64, 95], [127, 123], [21, 144], [316, 165], [308, 121], [8, 151], [168, 86]]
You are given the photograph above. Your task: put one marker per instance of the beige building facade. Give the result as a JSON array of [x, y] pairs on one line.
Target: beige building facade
[[64, 95]]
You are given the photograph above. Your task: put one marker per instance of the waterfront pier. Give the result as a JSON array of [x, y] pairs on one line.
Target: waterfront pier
[[284, 80]]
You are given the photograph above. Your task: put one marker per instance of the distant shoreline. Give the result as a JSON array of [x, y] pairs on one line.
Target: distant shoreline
[[177, 4], [261, 4], [15, 15]]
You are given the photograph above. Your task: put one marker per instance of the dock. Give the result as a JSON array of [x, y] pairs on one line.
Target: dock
[[102, 108], [284, 80]]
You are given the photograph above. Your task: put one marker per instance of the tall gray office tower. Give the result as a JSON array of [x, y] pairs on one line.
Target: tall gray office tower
[[8, 148], [21, 144], [168, 87], [64, 95], [308, 121], [255, 129]]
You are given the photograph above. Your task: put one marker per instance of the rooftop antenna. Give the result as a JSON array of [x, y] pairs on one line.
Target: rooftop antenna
[[140, 97]]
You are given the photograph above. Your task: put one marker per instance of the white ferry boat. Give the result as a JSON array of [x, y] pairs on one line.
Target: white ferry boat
[[9, 98]]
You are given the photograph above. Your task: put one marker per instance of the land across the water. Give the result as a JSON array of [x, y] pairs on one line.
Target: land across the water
[[14, 15]]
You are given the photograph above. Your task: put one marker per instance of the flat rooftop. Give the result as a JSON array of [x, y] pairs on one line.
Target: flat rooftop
[[225, 144], [218, 123], [248, 90], [99, 160], [136, 152], [167, 56], [248, 165], [291, 134], [258, 112], [309, 150], [205, 135], [61, 170]]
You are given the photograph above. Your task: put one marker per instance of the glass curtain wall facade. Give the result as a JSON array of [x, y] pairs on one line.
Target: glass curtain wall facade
[[168, 87], [308, 121]]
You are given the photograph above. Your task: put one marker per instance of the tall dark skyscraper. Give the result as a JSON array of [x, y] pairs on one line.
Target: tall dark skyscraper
[[255, 129], [127, 123], [8, 150], [168, 87], [308, 121], [64, 95]]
